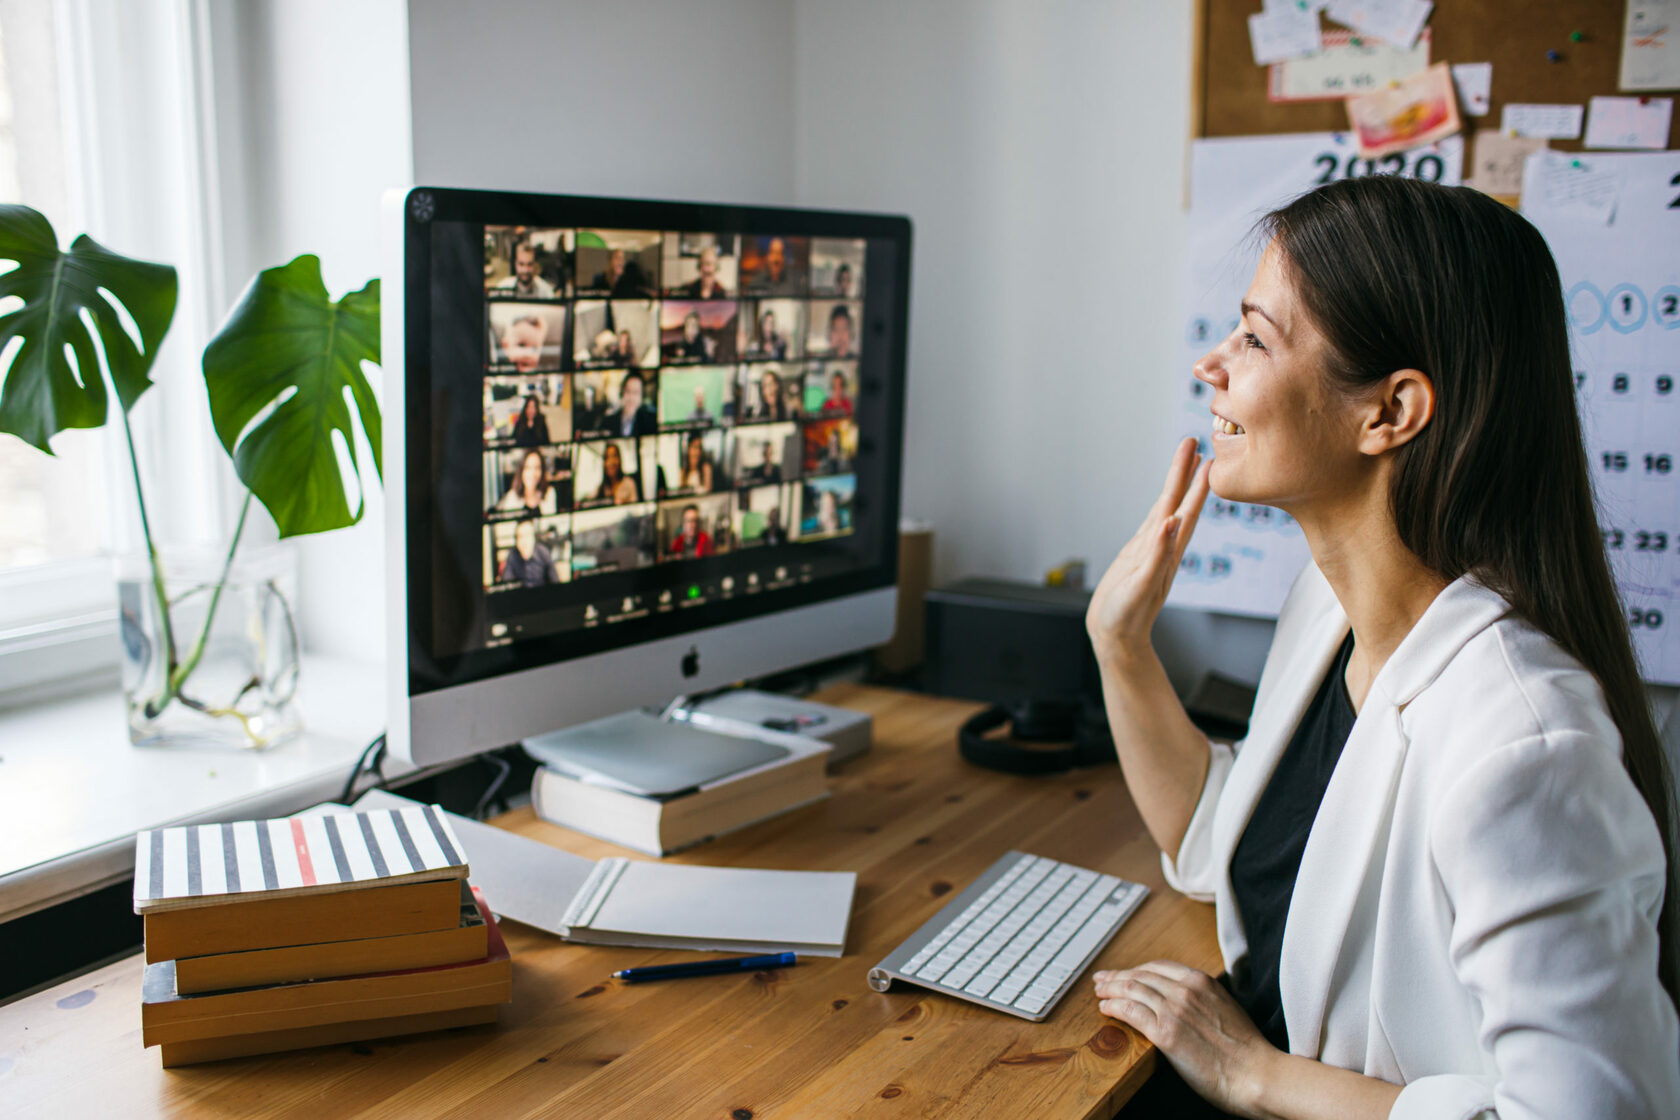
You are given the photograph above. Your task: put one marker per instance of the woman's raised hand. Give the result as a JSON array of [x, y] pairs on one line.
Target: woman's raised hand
[[1132, 591]]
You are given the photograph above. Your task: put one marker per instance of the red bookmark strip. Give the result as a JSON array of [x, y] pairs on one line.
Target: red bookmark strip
[[305, 867]]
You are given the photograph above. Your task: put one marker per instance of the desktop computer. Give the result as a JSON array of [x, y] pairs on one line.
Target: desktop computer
[[638, 449]]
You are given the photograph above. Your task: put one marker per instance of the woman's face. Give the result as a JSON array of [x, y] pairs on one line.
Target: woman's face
[[767, 323], [1282, 434], [612, 462], [770, 390], [828, 510], [696, 453], [531, 474], [691, 327], [530, 410]]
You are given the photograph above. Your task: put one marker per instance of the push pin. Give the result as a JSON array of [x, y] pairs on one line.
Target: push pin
[[1355, 41], [1575, 163], [1553, 56], [1576, 37]]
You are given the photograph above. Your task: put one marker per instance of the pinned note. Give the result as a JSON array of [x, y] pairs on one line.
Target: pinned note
[[1651, 45], [1416, 111], [1283, 31], [1570, 186], [1497, 163], [1346, 67], [1542, 122], [1474, 81], [1629, 122], [1393, 21]]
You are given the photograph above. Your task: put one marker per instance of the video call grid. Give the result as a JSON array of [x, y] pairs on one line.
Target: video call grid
[[753, 339]]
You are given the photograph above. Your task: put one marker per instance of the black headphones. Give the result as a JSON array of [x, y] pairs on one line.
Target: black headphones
[[1083, 726]]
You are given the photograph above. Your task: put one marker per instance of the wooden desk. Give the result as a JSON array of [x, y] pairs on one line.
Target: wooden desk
[[911, 818]]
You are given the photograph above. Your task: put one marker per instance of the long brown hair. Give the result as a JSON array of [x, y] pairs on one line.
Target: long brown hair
[[1400, 274]]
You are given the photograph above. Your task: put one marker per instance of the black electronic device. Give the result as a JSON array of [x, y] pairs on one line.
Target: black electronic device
[[1023, 649]]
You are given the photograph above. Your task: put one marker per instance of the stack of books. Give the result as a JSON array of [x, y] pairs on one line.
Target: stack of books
[[307, 931]]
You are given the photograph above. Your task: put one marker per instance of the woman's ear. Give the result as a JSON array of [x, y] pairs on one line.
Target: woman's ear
[[1401, 406]]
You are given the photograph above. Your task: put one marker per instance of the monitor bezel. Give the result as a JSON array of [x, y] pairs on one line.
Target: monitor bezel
[[429, 672]]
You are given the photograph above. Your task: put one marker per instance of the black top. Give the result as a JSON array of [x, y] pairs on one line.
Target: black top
[[1268, 857]]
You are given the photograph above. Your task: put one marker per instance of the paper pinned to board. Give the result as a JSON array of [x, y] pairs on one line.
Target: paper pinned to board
[[1393, 21], [1419, 110], [1282, 32], [1497, 162], [1542, 122], [1344, 67], [1651, 45], [1474, 81], [1629, 122], [1570, 187]]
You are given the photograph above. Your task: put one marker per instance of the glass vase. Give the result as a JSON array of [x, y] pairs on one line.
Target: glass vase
[[224, 671]]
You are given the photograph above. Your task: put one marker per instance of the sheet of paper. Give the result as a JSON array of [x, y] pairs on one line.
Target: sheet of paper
[[1283, 31], [1651, 45], [1343, 68], [1629, 122], [1570, 186], [1475, 87], [1393, 21], [1419, 110], [1544, 122], [1243, 558], [1496, 162], [1622, 292]]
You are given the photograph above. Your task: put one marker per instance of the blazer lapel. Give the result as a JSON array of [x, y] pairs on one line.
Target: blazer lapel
[[1349, 835]]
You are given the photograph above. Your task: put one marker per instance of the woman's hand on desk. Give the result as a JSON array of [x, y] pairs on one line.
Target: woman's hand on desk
[[1195, 1022], [1133, 590]]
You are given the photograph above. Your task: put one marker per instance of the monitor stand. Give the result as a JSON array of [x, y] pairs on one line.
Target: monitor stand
[[654, 754]]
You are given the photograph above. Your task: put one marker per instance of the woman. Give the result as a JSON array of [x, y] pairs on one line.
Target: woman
[[697, 467], [625, 354], [693, 345], [1439, 858], [770, 405], [530, 491], [769, 342], [530, 427], [616, 487]]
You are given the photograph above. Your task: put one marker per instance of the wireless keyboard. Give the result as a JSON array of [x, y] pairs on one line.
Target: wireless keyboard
[[1017, 938]]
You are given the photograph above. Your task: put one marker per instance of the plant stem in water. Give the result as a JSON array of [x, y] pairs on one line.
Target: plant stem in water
[[178, 674]]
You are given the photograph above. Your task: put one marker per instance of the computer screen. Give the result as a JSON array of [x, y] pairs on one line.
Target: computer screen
[[624, 422]]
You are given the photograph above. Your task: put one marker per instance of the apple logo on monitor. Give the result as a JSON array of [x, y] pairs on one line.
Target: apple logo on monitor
[[691, 662]]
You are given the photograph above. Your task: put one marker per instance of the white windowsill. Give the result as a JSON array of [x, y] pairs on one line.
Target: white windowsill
[[73, 791]]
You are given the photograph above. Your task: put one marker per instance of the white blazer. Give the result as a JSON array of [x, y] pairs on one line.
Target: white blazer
[[1475, 914]]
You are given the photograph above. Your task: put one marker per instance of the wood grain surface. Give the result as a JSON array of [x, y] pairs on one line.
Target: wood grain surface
[[910, 817]]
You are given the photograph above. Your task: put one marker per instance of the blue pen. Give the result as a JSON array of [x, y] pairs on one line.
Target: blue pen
[[704, 968]]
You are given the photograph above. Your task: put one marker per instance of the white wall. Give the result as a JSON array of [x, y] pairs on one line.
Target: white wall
[[645, 98], [314, 128]]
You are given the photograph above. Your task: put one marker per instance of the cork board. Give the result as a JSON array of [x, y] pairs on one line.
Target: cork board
[[1512, 35]]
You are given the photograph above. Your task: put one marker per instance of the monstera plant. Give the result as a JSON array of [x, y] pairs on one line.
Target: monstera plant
[[283, 375]]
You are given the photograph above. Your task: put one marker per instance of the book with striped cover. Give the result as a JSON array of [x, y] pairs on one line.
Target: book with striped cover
[[211, 864]]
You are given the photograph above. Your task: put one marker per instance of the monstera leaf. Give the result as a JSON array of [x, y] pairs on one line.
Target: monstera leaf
[[279, 373], [43, 391]]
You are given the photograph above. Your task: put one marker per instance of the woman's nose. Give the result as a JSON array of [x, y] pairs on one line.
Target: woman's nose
[[1210, 369]]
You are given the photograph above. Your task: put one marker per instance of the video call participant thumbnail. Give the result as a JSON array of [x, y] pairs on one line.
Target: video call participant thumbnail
[[834, 329], [690, 529], [765, 453], [697, 333], [522, 262], [767, 515], [619, 333], [773, 329], [620, 264], [830, 446], [831, 389], [527, 481], [614, 403], [837, 268], [526, 337], [613, 472], [692, 462], [827, 504], [769, 392], [775, 265], [696, 396], [527, 411], [530, 552], [700, 266], [613, 540]]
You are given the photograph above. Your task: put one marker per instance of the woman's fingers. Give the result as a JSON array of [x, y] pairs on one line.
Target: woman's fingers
[[1178, 479], [1190, 509]]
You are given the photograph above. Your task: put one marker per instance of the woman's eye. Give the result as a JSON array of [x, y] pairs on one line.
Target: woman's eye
[[1250, 339]]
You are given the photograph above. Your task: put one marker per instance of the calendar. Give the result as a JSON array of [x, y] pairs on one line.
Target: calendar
[[1243, 558], [1621, 284]]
